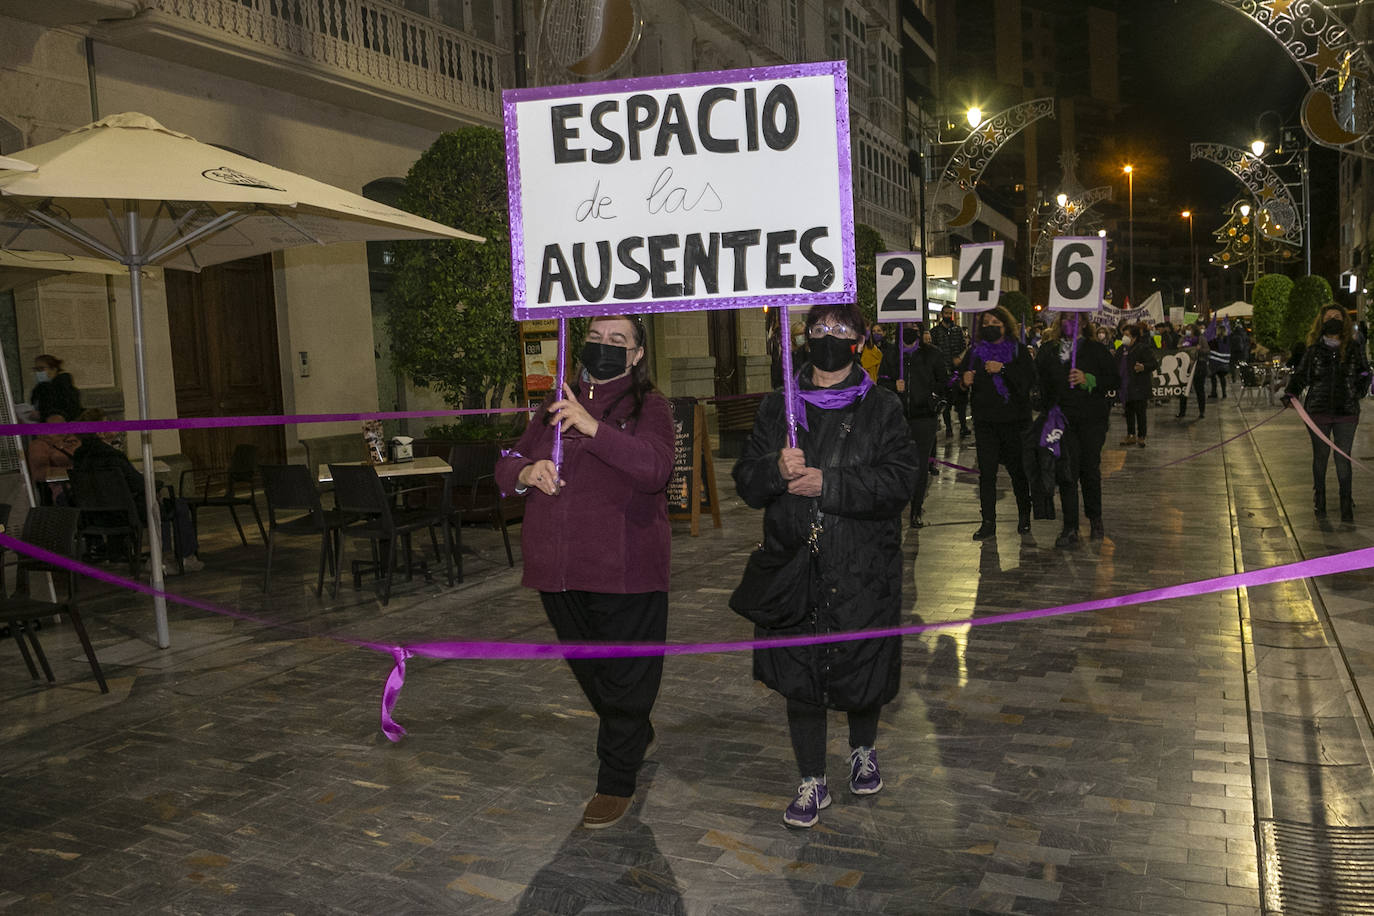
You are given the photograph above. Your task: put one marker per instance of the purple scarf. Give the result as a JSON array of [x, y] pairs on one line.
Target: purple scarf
[[827, 398], [1004, 351]]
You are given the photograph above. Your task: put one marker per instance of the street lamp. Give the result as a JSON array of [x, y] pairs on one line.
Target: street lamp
[[1257, 147], [1062, 199], [975, 116], [1192, 246], [1130, 251]]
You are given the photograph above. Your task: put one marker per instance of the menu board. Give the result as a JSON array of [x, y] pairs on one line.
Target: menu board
[[692, 486]]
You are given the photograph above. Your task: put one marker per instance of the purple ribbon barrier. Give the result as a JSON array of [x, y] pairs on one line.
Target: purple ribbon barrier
[[484, 649], [1322, 436], [1245, 432]]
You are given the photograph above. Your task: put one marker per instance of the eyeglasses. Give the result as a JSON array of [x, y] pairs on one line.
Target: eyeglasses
[[833, 330]]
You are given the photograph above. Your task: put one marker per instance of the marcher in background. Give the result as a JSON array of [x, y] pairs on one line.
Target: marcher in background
[[999, 377], [950, 339], [852, 473], [923, 389], [1078, 385], [1194, 343], [1137, 359], [1219, 358], [1168, 336], [54, 392], [1334, 371], [596, 539]]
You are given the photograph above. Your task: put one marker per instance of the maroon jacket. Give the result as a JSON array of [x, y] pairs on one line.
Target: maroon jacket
[[607, 529]]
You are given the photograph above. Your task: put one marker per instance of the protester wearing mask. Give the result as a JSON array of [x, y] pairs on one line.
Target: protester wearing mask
[[1137, 369], [922, 389], [596, 539], [949, 338], [1335, 372], [1194, 344], [1077, 383], [54, 392], [852, 473], [999, 378]]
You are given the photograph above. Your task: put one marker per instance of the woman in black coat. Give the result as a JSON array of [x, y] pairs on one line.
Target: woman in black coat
[[54, 392], [1138, 361], [856, 467], [1078, 386], [923, 387], [999, 375], [1335, 372]]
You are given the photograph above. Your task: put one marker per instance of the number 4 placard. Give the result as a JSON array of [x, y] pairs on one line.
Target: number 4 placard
[[1078, 274], [980, 276], [900, 297]]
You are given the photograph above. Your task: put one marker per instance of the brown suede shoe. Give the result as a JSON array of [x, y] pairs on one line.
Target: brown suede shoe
[[604, 810]]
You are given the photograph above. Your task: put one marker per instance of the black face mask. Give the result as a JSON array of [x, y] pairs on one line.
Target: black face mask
[[1332, 327], [831, 354], [603, 361], [990, 333], [911, 337]]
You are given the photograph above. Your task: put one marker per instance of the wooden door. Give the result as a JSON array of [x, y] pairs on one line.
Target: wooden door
[[723, 325], [223, 324]]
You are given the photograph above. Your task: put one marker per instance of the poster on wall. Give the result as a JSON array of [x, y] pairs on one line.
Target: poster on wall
[[725, 189]]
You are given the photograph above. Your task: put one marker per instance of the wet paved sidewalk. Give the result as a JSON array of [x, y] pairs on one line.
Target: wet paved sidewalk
[[1094, 763]]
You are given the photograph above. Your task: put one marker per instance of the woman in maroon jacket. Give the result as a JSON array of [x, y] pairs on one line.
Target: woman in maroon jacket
[[595, 539]]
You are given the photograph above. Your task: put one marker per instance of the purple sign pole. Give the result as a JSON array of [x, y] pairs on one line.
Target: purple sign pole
[[1073, 348], [562, 376], [789, 381]]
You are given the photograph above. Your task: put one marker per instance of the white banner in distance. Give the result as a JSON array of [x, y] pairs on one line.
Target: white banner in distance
[[1078, 273], [901, 296], [980, 276]]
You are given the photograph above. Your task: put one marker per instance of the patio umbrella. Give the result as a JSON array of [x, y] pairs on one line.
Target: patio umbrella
[[1236, 309], [129, 189], [16, 165]]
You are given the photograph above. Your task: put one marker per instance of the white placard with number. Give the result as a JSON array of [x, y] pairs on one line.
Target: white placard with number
[[900, 293], [980, 276], [1078, 273]]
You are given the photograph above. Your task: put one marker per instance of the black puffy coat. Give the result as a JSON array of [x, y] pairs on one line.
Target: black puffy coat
[[986, 402], [1335, 384], [860, 559], [1137, 386], [56, 396], [1078, 403], [926, 379]]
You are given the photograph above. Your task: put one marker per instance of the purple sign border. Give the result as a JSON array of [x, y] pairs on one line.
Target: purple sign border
[[1101, 298], [511, 97], [925, 306]]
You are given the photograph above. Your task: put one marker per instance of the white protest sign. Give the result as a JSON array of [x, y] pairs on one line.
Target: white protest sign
[[716, 190], [900, 296], [980, 276], [1078, 273], [1176, 316]]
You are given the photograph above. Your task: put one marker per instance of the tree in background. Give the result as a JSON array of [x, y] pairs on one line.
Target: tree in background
[[1306, 298], [868, 244], [1018, 304], [1271, 302], [450, 302]]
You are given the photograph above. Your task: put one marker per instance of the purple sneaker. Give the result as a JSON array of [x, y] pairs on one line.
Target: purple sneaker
[[864, 778], [805, 810]]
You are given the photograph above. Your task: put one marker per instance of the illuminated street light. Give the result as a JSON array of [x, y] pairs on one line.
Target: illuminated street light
[[1257, 147], [1130, 250], [975, 116], [1061, 199], [1244, 209]]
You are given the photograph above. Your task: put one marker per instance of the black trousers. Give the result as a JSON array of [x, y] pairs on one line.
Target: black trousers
[[1083, 442], [1222, 376], [621, 690], [923, 432], [1136, 424], [1000, 443], [1199, 392], [807, 723], [1343, 434]]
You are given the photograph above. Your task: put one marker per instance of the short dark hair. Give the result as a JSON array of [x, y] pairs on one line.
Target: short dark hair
[[846, 312]]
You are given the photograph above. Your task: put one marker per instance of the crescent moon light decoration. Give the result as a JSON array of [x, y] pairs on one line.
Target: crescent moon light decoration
[[955, 198], [1061, 222], [1332, 61], [1283, 223]]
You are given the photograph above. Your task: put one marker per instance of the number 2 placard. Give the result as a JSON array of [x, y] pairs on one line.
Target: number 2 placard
[[980, 276], [1078, 273], [900, 296]]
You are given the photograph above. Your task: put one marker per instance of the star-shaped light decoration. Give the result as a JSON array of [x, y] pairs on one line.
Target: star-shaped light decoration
[[966, 173], [1267, 192], [1327, 58], [1278, 7], [989, 132]]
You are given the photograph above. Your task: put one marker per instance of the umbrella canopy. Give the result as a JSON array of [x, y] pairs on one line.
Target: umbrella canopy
[[197, 204], [16, 165], [130, 189], [1236, 309], [18, 267]]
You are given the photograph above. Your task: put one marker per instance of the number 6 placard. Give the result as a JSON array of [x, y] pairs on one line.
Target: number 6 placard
[[900, 297], [1078, 273], [980, 276]]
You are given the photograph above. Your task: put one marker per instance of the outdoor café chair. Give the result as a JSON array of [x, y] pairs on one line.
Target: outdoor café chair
[[108, 510], [291, 488], [229, 484]]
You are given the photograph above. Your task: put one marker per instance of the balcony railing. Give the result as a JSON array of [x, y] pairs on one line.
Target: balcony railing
[[366, 38], [761, 21]]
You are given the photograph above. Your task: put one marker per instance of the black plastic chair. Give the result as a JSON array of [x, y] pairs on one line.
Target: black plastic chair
[[291, 488], [243, 465], [358, 492], [56, 530], [108, 510], [471, 494]]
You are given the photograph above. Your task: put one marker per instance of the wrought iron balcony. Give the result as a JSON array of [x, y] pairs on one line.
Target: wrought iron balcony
[[360, 54], [762, 22]]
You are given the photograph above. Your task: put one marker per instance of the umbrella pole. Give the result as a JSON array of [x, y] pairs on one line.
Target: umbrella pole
[[149, 477]]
